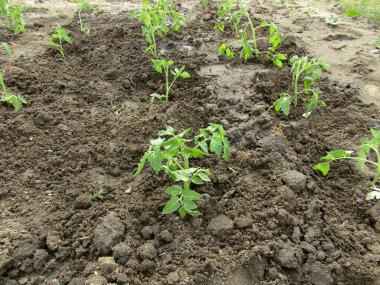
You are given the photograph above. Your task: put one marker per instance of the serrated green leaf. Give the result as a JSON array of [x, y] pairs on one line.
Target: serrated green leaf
[[216, 145], [171, 206], [189, 205], [182, 212], [191, 195], [323, 167], [174, 190], [155, 159]]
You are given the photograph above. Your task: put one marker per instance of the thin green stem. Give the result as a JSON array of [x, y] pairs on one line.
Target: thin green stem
[[167, 83], [3, 84], [253, 32], [296, 86], [186, 185], [80, 20], [377, 176], [61, 48]]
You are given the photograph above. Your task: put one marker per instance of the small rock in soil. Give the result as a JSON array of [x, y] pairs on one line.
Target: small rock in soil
[[172, 278], [52, 242], [108, 233], [52, 282], [147, 265], [106, 265], [289, 257], [122, 251], [374, 213], [165, 235], [243, 222], [96, 280], [82, 202], [220, 224], [147, 251], [320, 274], [295, 180], [39, 259], [272, 143], [122, 279]]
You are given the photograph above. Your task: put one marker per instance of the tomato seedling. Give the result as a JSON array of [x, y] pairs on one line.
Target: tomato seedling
[[82, 6], [310, 69], [238, 16], [155, 15], [8, 97], [368, 154], [62, 36], [163, 66], [171, 153], [14, 12]]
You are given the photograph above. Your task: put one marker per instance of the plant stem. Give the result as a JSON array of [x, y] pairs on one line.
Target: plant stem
[[186, 185], [61, 48], [296, 86], [2, 83], [80, 20], [253, 32], [377, 176], [167, 83]]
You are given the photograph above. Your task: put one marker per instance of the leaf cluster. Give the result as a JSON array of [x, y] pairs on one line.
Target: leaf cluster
[[13, 15], [171, 153], [59, 37], [308, 70], [368, 154], [237, 15]]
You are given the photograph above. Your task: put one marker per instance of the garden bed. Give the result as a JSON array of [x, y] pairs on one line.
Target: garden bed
[[268, 216]]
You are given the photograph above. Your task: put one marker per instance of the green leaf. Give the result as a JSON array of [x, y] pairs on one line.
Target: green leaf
[[191, 195], [189, 205], [171, 206], [222, 49], [182, 212], [352, 13], [336, 154], [323, 167], [216, 145], [204, 176], [195, 213], [174, 190], [283, 104], [156, 159], [197, 180], [226, 149], [185, 75], [143, 160]]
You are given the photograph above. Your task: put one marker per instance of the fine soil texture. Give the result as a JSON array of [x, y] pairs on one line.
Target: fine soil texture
[[268, 216]]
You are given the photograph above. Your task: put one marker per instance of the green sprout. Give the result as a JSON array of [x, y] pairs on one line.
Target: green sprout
[[171, 153], [14, 12], [155, 15], [82, 6], [310, 70], [368, 154], [8, 97], [62, 36], [163, 66], [239, 18]]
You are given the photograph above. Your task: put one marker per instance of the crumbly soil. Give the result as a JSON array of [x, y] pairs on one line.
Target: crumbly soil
[[268, 217]]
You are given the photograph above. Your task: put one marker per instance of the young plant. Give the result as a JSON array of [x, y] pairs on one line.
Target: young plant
[[155, 15], [14, 12], [375, 43], [82, 6], [309, 70], [7, 48], [368, 154], [241, 22], [163, 66], [171, 153], [62, 36], [8, 97]]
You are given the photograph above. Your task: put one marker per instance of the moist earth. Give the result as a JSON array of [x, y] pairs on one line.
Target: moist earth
[[268, 217]]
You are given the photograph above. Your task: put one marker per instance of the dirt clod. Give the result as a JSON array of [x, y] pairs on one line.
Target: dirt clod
[[295, 180], [147, 251], [220, 225], [108, 233]]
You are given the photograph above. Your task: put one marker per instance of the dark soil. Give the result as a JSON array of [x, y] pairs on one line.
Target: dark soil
[[262, 223]]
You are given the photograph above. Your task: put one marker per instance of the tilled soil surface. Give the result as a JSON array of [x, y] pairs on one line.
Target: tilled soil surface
[[268, 217]]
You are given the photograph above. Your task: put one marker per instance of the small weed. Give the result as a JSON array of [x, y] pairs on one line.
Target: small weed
[[7, 48], [333, 19], [8, 97], [98, 196], [365, 8], [115, 108], [155, 16], [172, 154], [14, 12], [310, 70], [62, 36], [375, 43], [241, 22], [163, 66], [368, 154], [82, 6]]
